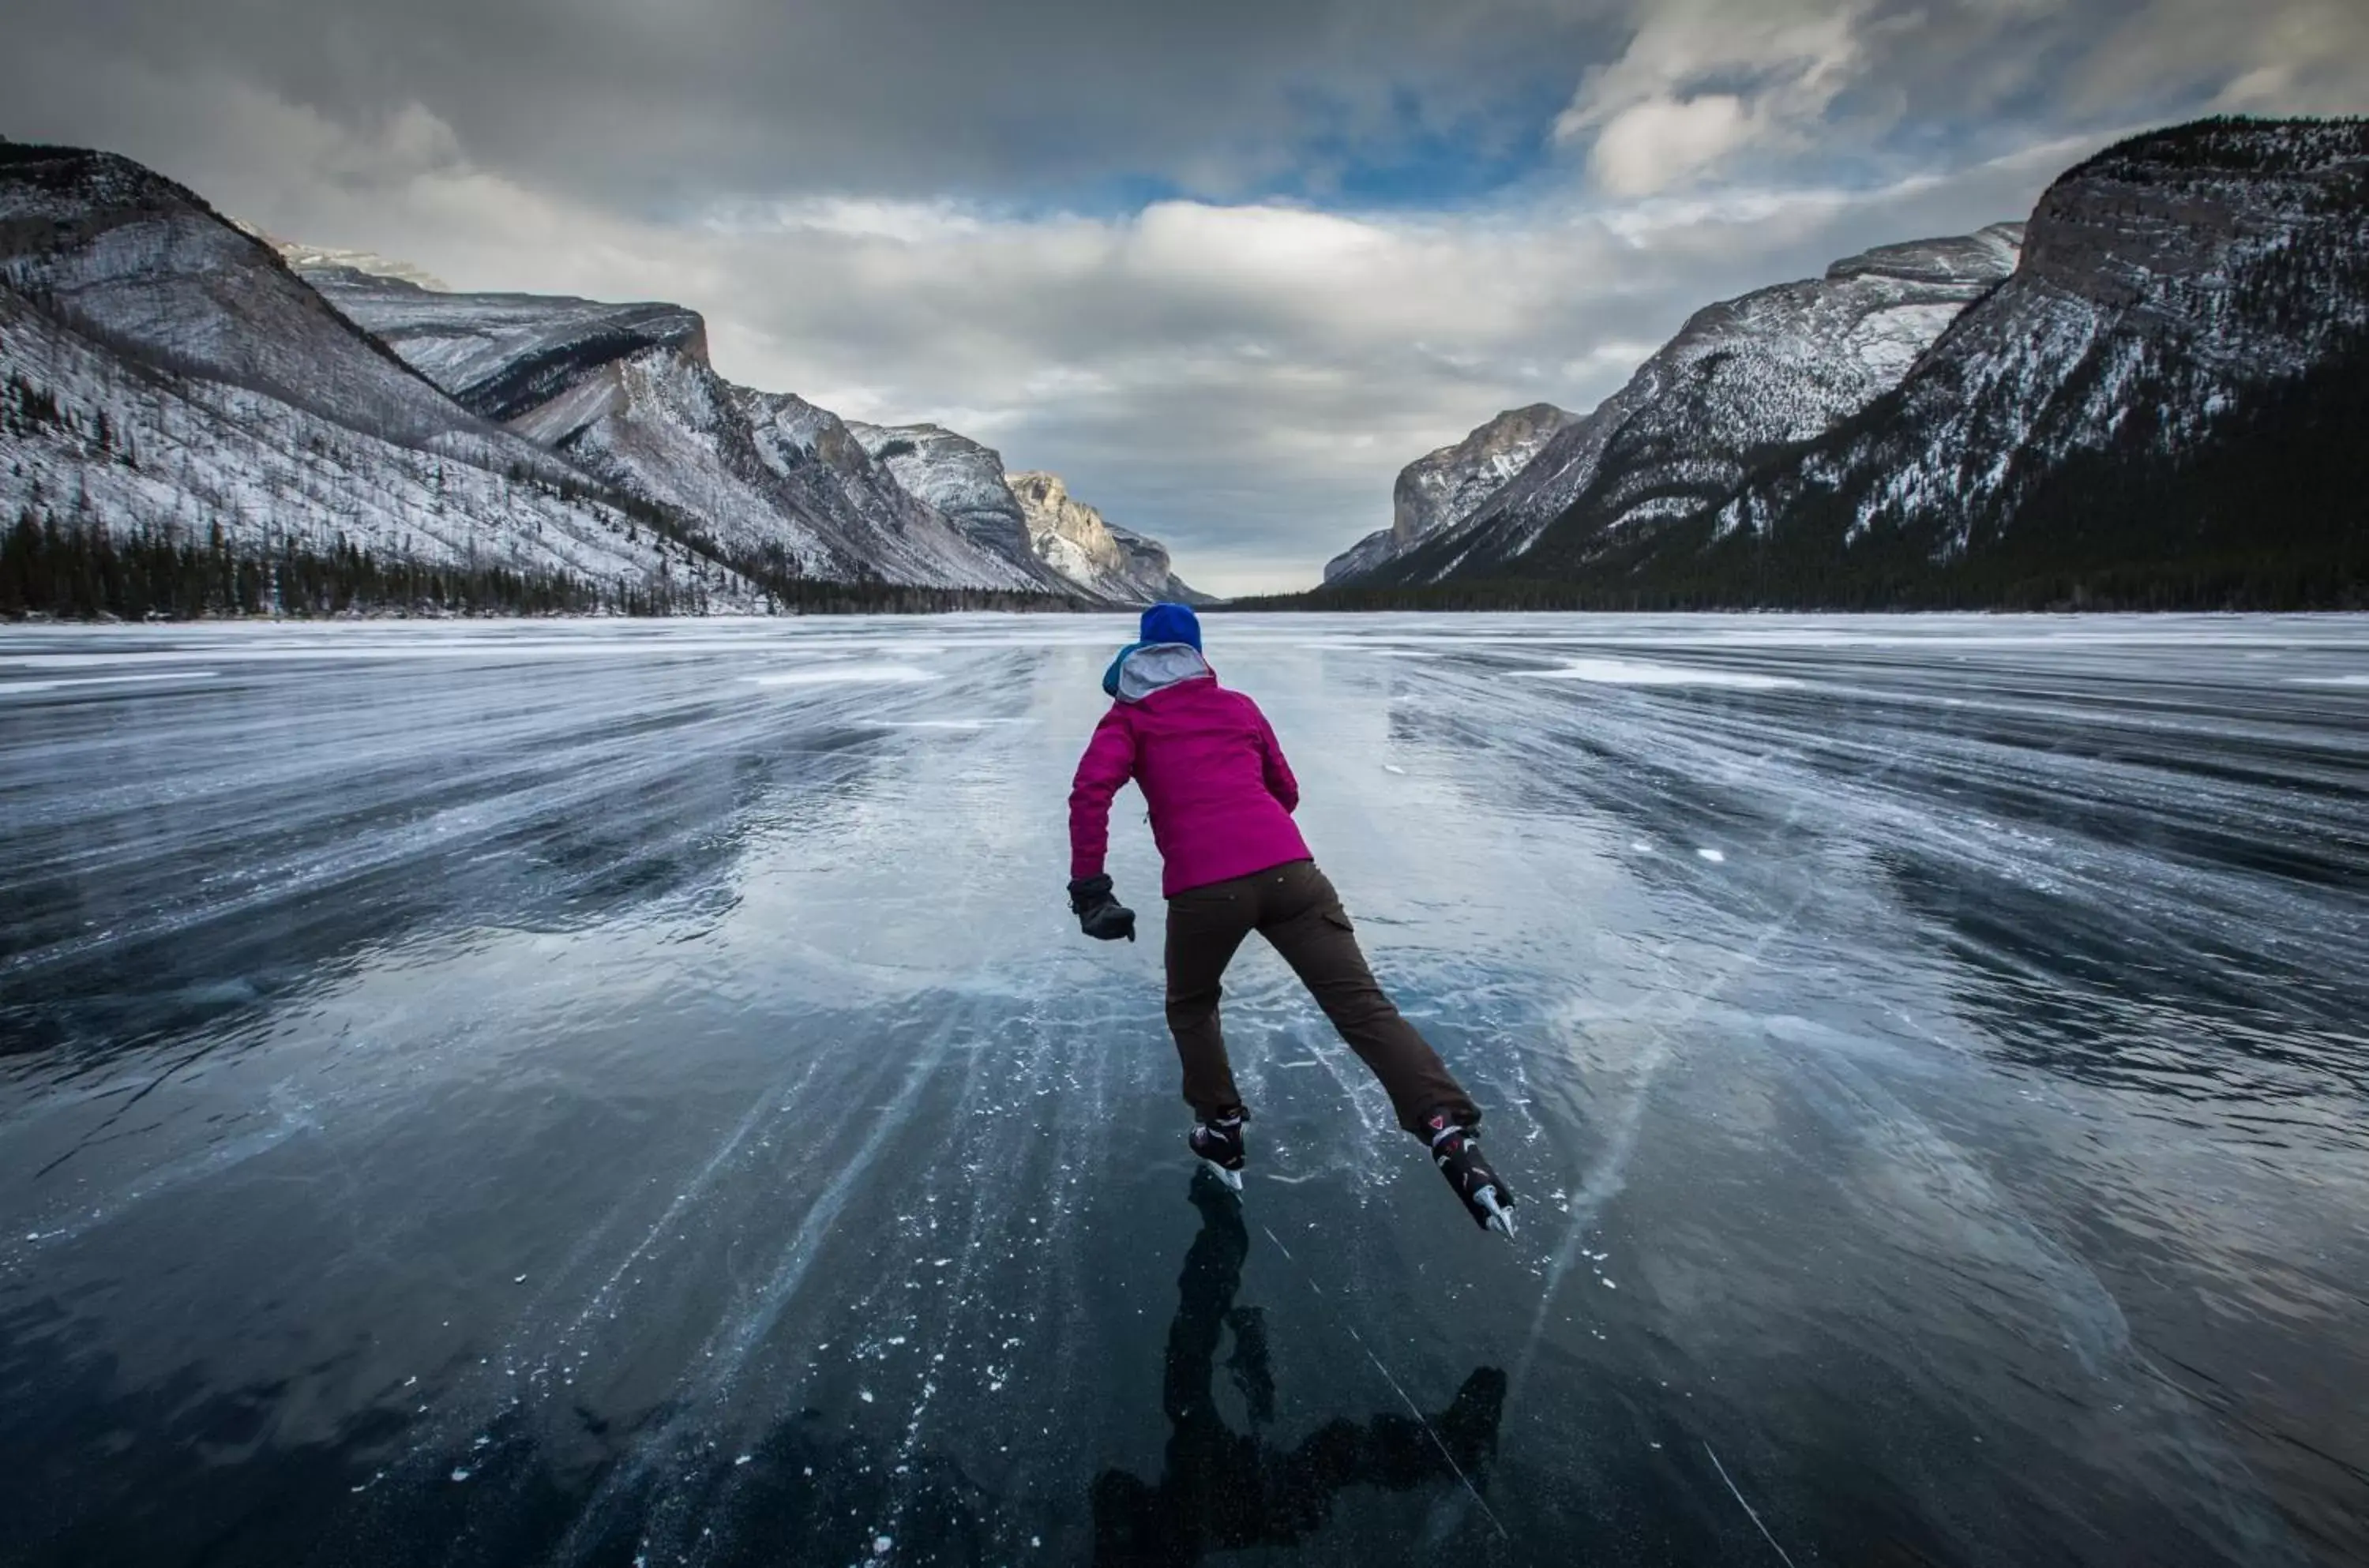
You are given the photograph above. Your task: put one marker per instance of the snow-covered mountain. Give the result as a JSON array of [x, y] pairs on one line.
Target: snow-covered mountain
[[1076, 541], [1442, 489], [2173, 386], [2152, 394], [625, 393], [1770, 368], [205, 397], [965, 481], [166, 376], [498, 355], [1029, 518], [1781, 365]]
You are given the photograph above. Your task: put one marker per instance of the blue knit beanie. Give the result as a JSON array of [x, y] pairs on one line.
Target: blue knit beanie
[[1171, 623]]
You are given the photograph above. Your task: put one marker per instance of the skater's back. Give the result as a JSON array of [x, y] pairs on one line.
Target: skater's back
[[1211, 770], [1233, 862]]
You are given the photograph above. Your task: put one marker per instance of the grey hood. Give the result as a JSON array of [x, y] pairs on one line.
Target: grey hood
[[1155, 667]]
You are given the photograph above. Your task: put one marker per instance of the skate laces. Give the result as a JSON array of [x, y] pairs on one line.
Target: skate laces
[[1457, 1152], [1219, 1129]]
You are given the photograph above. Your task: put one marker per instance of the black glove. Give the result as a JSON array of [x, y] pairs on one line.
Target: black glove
[[1100, 916]]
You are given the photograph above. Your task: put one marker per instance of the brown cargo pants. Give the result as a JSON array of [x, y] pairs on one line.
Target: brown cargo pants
[[1295, 907]]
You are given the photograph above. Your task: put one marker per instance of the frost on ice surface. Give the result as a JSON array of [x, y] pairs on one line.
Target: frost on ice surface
[[835, 674], [1638, 673], [751, 1019]]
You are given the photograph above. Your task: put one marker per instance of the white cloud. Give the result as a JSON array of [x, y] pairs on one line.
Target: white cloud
[[2277, 57], [1653, 144], [1701, 78]]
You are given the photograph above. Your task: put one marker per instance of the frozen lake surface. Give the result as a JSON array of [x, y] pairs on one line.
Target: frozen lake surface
[[634, 1093]]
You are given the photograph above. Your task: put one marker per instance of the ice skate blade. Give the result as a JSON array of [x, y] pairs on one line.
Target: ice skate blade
[[1500, 1218], [1232, 1179]]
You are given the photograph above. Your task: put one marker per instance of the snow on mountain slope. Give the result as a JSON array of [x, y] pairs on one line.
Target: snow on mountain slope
[[1781, 365], [1442, 489], [309, 260], [135, 449], [627, 394], [768, 476], [498, 355], [234, 396], [125, 255], [964, 480], [2168, 285], [1108, 561]]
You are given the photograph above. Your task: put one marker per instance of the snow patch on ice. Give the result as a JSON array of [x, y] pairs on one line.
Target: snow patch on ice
[[30, 688], [832, 674], [1637, 672]]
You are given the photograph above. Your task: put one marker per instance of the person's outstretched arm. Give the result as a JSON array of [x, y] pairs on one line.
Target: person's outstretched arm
[[1103, 772], [1279, 781]]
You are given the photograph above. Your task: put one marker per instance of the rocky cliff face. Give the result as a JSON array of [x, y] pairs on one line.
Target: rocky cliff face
[[625, 394], [165, 372], [166, 376], [1442, 489], [964, 480], [1780, 365], [498, 355], [1074, 539], [123, 256], [768, 476], [2192, 303], [2161, 405]]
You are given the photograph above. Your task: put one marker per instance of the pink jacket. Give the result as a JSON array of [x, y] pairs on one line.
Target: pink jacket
[[1221, 793]]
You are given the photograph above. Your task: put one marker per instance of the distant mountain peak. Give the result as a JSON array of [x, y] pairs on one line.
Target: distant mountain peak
[[1082, 546], [1441, 489], [322, 258], [1781, 364], [2149, 394]]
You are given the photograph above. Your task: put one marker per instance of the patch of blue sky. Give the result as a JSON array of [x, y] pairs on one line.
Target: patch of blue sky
[[1411, 156], [1400, 156]]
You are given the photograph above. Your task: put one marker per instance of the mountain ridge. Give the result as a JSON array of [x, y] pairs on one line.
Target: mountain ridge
[[1441, 489], [1081, 543], [183, 395], [171, 384], [2159, 405], [1777, 364], [628, 392]]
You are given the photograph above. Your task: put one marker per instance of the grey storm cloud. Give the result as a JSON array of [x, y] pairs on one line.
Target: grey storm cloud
[[1214, 262], [662, 104]]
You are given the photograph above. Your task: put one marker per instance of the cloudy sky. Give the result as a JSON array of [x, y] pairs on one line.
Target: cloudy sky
[[1226, 265]]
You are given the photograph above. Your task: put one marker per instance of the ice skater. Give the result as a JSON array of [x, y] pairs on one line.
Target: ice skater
[[1232, 862]]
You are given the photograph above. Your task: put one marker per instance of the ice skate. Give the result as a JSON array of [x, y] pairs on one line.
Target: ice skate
[[1218, 1142], [1457, 1150]]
